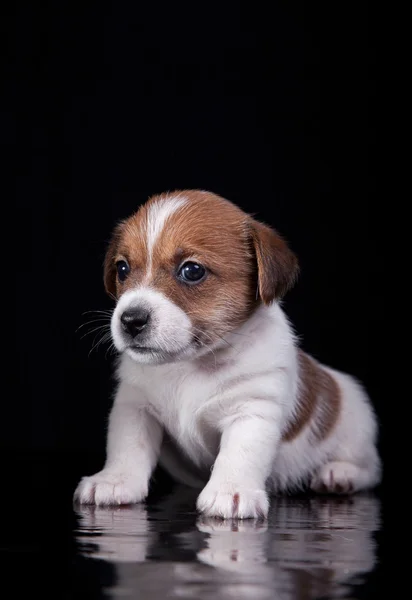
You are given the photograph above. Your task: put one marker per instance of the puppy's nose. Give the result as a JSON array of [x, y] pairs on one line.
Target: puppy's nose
[[134, 321]]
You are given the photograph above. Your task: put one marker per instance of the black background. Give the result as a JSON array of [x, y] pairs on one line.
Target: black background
[[107, 103], [112, 102]]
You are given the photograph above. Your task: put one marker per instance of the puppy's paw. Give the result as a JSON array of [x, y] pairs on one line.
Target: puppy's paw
[[336, 478], [109, 488], [231, 501]]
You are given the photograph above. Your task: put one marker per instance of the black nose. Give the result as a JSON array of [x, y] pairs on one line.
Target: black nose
[[134, 321]]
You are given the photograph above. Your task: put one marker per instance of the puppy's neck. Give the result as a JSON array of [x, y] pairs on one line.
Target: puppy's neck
[[231, 345]]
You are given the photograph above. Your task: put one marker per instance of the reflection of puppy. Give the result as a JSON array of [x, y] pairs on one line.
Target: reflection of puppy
[[308, 548], [235, 545], [208, 356], [119, 534], [315, 549]]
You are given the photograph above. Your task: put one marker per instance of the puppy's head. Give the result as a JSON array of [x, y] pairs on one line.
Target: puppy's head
[[186, 269]]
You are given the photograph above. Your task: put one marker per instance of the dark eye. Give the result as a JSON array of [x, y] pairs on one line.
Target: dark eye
[[123, 270], [191, 272]]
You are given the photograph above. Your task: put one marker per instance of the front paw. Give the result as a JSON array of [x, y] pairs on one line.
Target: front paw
[[109, 488], [231, 501]]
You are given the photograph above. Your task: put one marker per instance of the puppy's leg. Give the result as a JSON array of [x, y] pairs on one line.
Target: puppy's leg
[[355, 464], [236, 488], [133, 447], [342, 477]]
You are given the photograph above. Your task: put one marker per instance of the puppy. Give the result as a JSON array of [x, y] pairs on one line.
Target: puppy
[[211, 381]]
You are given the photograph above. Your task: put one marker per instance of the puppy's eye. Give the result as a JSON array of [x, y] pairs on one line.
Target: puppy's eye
[[191, 272], [123, 270]]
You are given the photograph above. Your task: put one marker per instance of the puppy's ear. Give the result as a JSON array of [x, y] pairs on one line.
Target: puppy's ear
[[109, 267], [277, 265]]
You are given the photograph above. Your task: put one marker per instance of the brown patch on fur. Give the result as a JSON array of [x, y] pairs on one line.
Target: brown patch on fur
[[319, 401], [240, 255], [211, 231], [277, 264]]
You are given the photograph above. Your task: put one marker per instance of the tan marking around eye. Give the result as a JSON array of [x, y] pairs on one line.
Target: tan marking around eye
[[207, 227]]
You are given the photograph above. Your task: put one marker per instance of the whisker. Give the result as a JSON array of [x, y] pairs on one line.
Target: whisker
[[92, 321], [104, 312], [223, 340], [211, 338], [191, 313], [101, 327], [103, 339], [109, 350], [238, 333]]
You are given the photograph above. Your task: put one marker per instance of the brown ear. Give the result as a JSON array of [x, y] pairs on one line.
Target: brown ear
[[277, 264], [109, 267]]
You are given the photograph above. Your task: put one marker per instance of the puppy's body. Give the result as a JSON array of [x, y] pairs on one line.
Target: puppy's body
[[211, 381]]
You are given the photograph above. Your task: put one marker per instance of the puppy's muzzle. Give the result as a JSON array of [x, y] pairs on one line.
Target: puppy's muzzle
[[134, 321]]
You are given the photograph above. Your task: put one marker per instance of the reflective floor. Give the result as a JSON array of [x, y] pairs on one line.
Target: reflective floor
[[311, 547], [317, 548]]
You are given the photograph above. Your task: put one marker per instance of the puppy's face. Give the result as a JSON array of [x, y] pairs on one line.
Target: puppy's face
[[186, 269]]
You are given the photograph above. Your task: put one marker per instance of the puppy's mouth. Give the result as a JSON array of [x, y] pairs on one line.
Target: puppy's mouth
[[146, 350], [152, 350], [143, 349]]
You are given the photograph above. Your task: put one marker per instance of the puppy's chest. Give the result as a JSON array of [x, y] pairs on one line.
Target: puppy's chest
[[180, 402]]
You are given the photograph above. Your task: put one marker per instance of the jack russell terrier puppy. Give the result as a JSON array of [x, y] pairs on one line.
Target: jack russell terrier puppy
[[211, 381]]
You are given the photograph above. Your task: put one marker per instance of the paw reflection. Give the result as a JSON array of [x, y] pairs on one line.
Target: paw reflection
[[309, 547], [118, 534], [313, 544], [233, 544]]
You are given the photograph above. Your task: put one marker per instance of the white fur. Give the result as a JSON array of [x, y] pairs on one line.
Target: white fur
[[224, 410], [171, 331], [158, 214], [226, 413]]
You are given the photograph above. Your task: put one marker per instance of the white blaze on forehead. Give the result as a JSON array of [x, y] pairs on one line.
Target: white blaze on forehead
[[157, 215]]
